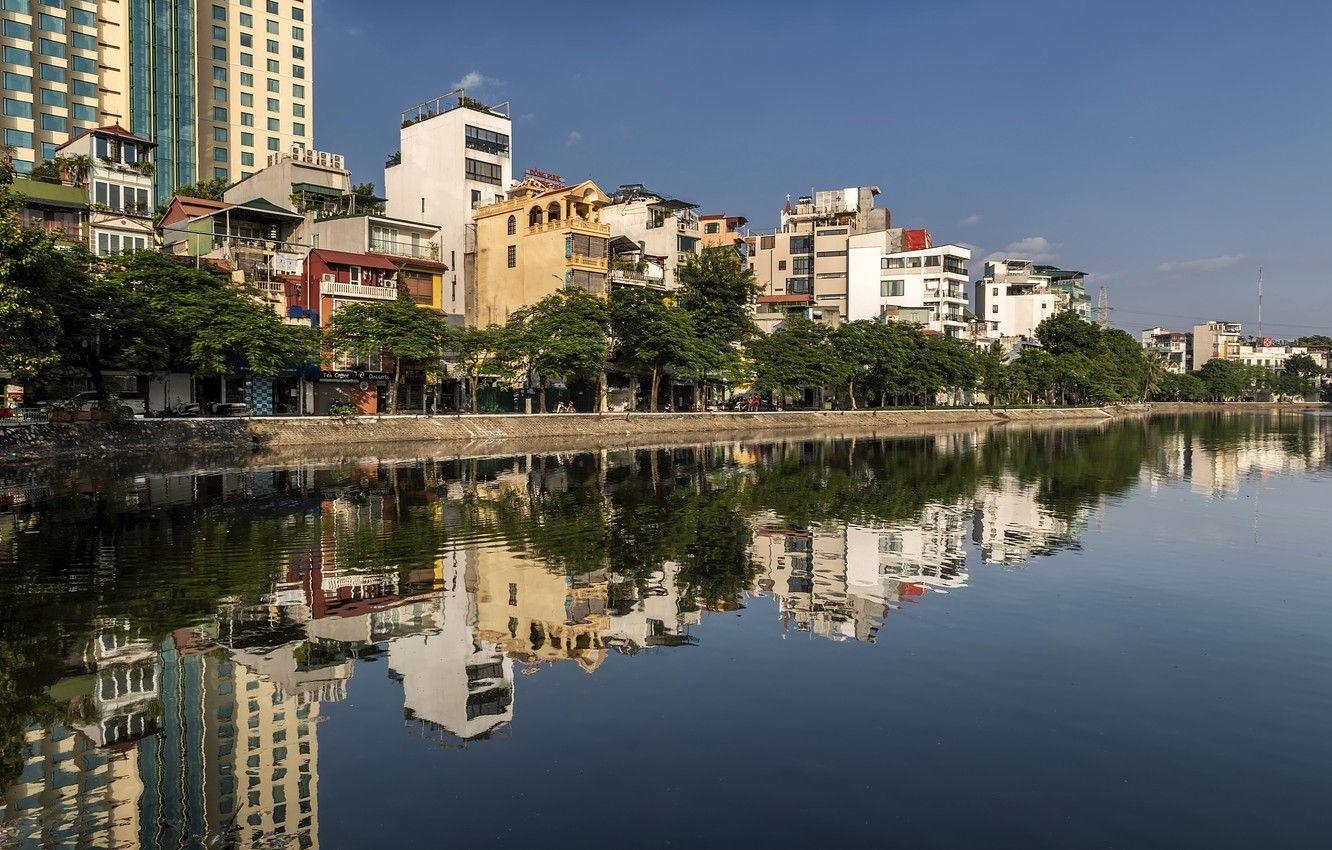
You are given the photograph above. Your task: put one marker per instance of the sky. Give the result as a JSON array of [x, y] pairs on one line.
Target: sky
[[1169, 149]]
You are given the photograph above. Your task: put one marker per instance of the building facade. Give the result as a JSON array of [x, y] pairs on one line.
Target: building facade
[[719, 230], [120, 188], [1216, 339], [535, 242], [1013, 298], [1176, 347], [662, 227], [884, 280], [455, 156]]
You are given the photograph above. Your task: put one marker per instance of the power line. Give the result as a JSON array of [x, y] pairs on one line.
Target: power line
[[1197, 320]]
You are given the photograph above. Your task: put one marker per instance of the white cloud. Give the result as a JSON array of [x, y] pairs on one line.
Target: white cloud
[[1205, 264], [474, 80], [1038, 249], [573, 138], [970, 221]]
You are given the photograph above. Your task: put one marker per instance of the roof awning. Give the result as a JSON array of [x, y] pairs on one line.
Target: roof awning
[[347, 258], [315, 189]]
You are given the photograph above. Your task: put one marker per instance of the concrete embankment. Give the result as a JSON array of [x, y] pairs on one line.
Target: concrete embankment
[[237, 438]]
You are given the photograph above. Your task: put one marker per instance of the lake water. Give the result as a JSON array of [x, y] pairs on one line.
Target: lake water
[[1102, 637]]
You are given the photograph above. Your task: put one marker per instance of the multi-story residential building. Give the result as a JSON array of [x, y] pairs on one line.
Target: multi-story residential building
[[1215, 339], [630, 265], [54, 208], [64, 71], [120, 188], [719, 230], [535, 242], [883, 279], [455, 156], [1015, 296], [1175, 346], [255, 83], [802, 267], [661, 226]]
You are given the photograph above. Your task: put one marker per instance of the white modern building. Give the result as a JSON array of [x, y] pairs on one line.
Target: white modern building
[[661, 226], [1013, 298], [456, 155], [1175, 346], [882, 282], [1216, 339]]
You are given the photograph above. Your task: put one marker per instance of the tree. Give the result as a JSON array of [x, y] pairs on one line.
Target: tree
[[1302, 365], [406, 332], [561, 337], [365, 198], [716, 288], [208, 190], [992, 373], [1226, 380], [1066, 333], [653, 335], [797, 356], [1154, 371], [473, 347], [1176, 387]]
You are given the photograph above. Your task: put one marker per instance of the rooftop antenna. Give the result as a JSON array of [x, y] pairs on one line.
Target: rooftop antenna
[[1103, 308], [1260, 302]]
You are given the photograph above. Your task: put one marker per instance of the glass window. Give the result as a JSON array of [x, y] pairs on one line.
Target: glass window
[[247, 61], [18, 108], [219, 13], [246, 19], [219, 154], [219, 134], [484, 172], [83, 112], [50, 23], [18, 82], [14, 29], [55, 123], [298, 129], [247, 79], [297, 90], [247, 158], [219, 174], [83, 64], [246, 40], [52, 74], [298, 109], [298, 71], [274, 85], [892, 288], [83, 41], [50, 97], [297, 52], [297, 13], [246, 98], [274, 66], [272, 7], [273, 143], [220, 33], [247, 119], [18, 138], [83, 17], [274, 126], [247, 139], [219, 73], [47, 47], [298, 33], [219, 93], [15, 56], [272, 46], [219, 53], [273, 105], [15, 6]]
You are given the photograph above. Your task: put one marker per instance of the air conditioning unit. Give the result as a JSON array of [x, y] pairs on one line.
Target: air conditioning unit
[[328, 278]]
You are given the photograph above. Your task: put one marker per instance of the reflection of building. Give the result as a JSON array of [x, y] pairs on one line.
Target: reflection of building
[[1011, 527]]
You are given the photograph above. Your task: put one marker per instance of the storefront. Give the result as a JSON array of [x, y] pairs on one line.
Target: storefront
[[367, 392]]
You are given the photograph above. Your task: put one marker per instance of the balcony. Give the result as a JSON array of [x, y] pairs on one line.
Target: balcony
[[356, 290], [582, 225], [583, 261], [405, 248]]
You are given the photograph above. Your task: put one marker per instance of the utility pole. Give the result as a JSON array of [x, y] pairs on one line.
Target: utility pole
[[1260, 303], [1103, 308]]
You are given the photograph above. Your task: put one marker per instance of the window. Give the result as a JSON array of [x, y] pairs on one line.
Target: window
[[484, 172], [50, 23], [913, 262], [246, 40], [18, 82], [933, 261], [271, 27], [298, 33], [298, 109], [219, 53], [513, 225], [272, 46], [274, 126], [247, 158], [18, 108], [247, 139], [297, 13], [892, 288], [994, 308], [247, 79], [47, 47], [995, 291], [489, 141], [246, 19], [82, 41], [14, 29], [476, 198], [247, 61], [274, 143], [274, 66], [83, 64], [298, 71], [219, 134], [219, 74], [15, 56], [297, 90], [802, 265], [219, 93], [52, 74], [55, 123], [298, 129], [219, 113], [297, 52], [220, 33], [18, 138], [511, 256], [712, 227], [219, 154], [799, 285], [273, 105], [272, 7], [83, 17], [831, 254], [781, 265], [246, 99], [274, 85], [51, 97], [219, 13], [219, 174], [892, 263], [802, 244], [247, 119]]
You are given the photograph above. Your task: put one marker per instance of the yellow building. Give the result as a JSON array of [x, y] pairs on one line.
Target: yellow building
[[535, 242]]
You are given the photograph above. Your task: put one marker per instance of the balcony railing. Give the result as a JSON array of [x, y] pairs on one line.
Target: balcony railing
[[406, 248], [356, 290], [581, 224], [597, 263]]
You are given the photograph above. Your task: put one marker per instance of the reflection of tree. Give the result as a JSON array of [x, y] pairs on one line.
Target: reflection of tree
[[716, 568]]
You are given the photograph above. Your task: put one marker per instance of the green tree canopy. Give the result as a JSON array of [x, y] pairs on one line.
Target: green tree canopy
[[653, 335], [408, 333]]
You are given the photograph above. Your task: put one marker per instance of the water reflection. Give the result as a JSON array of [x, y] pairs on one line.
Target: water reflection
[[169, 640]]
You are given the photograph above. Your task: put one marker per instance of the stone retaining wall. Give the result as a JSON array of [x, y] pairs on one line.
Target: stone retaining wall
[[148, 439]]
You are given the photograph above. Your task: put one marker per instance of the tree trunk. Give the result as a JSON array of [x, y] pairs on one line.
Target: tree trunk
[[542, 397], [601, 391], [656, 388], [393, 391], [471, 386], [851, 393]]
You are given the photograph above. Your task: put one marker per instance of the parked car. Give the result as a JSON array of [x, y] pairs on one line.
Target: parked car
[[88, 401]]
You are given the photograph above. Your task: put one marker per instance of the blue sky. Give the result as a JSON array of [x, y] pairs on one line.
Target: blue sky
[[1168, 148]]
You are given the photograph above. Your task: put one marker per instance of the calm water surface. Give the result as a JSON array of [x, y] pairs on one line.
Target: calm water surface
[[1112, 637]]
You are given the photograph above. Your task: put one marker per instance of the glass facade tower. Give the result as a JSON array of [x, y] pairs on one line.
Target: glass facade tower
[[162, 87]]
